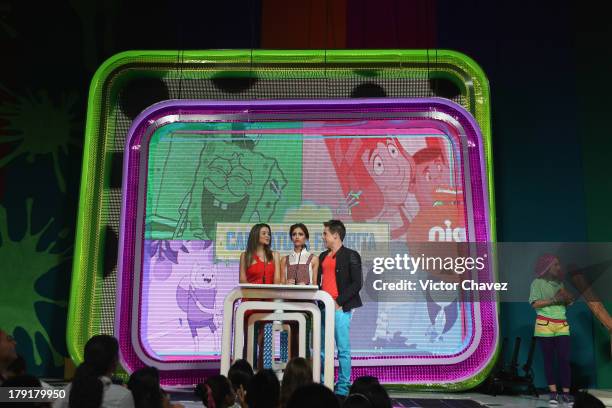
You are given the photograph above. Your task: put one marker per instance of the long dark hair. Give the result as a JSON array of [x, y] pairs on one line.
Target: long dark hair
[[303, 228], [297, 374], [263, 390], [144, 384], [253, 243], [240, 373], [100, 357], [214, 391]]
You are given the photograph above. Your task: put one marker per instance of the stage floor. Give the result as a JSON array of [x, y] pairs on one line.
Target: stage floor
[[469, 400], [455, 400]]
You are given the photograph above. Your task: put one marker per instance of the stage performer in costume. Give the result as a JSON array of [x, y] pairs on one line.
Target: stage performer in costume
[[549, 298]]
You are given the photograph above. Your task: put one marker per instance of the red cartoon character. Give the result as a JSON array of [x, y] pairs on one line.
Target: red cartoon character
[[375, 175], [441, 208]]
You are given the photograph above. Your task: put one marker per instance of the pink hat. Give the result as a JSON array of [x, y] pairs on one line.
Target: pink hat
[[543, 264]]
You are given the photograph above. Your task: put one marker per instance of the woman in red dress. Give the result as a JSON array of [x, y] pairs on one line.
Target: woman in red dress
[[258, 263]]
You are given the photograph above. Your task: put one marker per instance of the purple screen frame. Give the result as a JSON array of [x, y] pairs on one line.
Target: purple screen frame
[[429, 109]]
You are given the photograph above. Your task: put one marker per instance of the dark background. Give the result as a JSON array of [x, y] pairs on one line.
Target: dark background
[[548, 64]]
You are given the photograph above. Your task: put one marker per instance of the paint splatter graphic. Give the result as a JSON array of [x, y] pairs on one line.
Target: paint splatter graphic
[[35, 125], [25, 261]]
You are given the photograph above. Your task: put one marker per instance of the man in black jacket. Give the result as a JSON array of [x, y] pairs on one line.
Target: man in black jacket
[[340, 275]]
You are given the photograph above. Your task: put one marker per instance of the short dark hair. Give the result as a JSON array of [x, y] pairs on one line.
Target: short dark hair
[[336, 227]]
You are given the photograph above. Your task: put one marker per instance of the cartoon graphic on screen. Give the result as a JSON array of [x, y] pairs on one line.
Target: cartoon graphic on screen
[[374, 174], [383, 334], [232, 183], [378, 177], [382, 327], [195, 295], [440, 219], [441, 208], [164, 254], [442, 315], [183, 312]]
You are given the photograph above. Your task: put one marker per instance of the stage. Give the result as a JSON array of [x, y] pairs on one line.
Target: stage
[[454, 400]]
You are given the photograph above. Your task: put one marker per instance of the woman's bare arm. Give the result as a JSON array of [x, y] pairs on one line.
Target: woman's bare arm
[[277, 274], [242, 276], [283, 268], [315, 270]]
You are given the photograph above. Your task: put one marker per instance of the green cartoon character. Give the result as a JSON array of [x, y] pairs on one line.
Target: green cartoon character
[[232, 183]]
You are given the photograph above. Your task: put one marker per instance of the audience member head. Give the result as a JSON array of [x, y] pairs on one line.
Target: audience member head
[[357, 400], [19, 381], [586, 400], [102, 354], [263, 390], [239, 374], [297, 374], [362, 384], [313, 395], [379, 397], [216, 392], [100, 359], [372, 390], [7, 351], [144, 384], [87, 391], [242, 365]]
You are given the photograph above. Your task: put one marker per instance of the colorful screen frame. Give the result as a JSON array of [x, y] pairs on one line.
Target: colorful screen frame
[[456, 123], [285, 74]]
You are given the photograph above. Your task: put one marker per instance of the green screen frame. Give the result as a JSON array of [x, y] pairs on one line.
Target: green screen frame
[[83, 317]]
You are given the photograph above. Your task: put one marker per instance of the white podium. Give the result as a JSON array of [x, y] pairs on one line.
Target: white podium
[[271, 317], [259, 296], [282, 316]]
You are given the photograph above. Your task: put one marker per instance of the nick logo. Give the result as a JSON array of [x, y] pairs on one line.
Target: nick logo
[[448, 234]]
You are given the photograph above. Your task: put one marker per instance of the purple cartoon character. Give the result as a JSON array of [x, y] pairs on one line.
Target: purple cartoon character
[[196, 295]]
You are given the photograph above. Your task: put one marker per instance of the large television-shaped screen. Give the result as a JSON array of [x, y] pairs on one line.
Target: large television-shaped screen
[[399, 173]]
